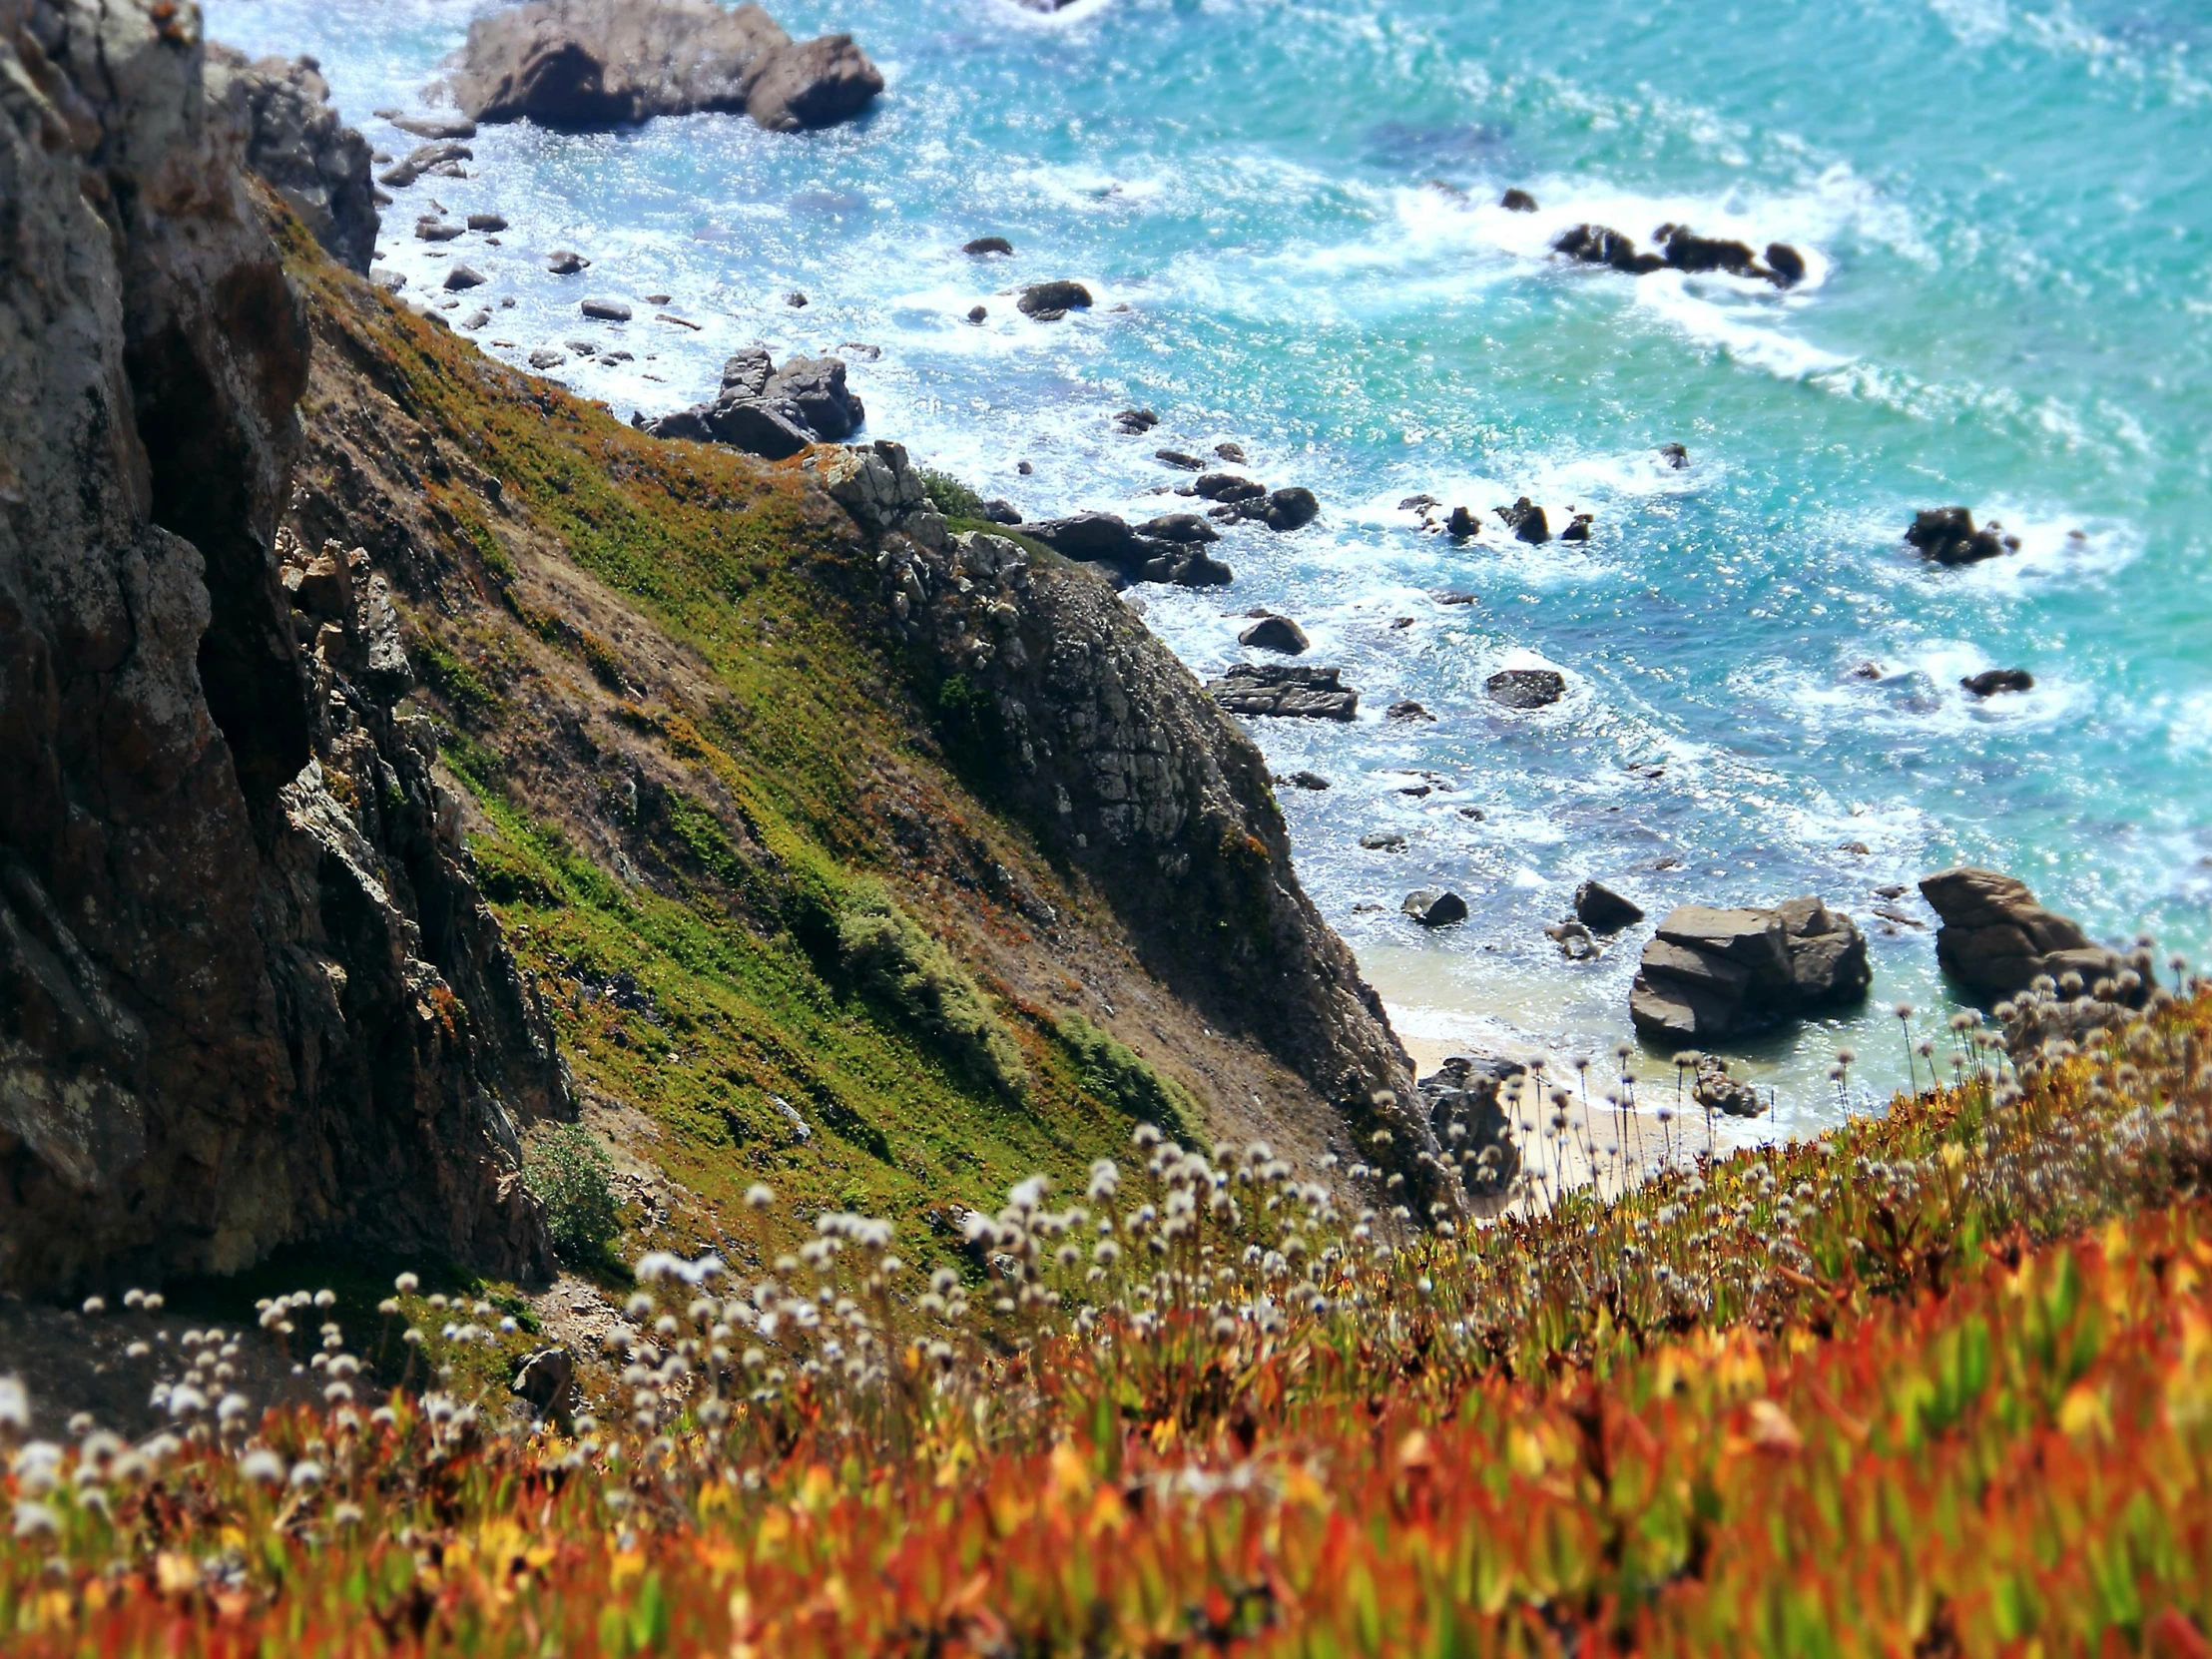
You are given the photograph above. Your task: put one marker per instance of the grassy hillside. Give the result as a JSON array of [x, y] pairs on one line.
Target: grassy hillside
[[712, 805], [1937, 1384]]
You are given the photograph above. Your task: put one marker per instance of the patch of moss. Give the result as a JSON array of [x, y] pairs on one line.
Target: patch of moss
[[1113, 1071], [915, 977]]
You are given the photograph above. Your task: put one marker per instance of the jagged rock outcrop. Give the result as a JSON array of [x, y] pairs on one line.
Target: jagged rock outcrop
[[248, 993], [299, 148], [769, 411], [587, 65], [1092, 731]]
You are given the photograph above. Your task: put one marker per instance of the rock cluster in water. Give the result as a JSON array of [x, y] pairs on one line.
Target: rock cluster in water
[[1996, 939], [1680, 248], [588, 65]]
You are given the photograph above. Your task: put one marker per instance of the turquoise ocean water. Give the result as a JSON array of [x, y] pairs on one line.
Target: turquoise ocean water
[[1286, 211]]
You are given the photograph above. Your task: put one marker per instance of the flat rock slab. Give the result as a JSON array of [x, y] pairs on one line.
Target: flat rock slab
[[1285, 689]]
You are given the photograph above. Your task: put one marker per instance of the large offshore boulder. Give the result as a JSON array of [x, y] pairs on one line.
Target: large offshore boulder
[[1711, 974], [1996, 939], [590, 65]]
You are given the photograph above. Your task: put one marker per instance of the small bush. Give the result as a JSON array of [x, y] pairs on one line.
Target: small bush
[[900, 965], [565, 1166], [949, 496], [1118, 1074]]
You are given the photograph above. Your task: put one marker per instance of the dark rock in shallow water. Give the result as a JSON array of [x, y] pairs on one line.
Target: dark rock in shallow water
[[1526, 688], [495, 223], [1996, 939], [1292, 509], [1784, 264], [1279, 689], [1463, 525], [1434, 908], [1720, 1092], [1409, 710], [1991, 681], [1276, 633], [1675, 456], [1136, 422], [563, 262], [1180, 461], [1233, 453], [463, 276], [1185, 528], [1578, 528], [1686, 251], [1106, 538], [1598, 906], [1310, 780], [1383, 841], [295, 142], [1517, 202], [1049, 302], [1601, 245], [1527, 521], [605, 310], [1709, 974], [984, 245], [1227, 486], [593, 65], [1947, 536], [438, 230]]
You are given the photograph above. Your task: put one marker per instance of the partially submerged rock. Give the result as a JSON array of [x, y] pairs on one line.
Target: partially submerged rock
[[1526, 688], [1051, 301], [1276, 633], [1991, 681], [1283, 688], [591, 65], [1598, 906], [1996, 939], [1175, 556], [1434, 908], [1947, 536], [1711, 974]]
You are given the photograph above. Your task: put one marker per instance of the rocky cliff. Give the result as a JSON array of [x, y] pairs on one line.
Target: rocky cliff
[[359, 762], [246, 993]]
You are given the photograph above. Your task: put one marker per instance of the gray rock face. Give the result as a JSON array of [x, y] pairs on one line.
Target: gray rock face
[[769, 411], [298, 145], [1091, 729], [1283, 688], [589, 65], [224, 1024], [1996, 939], [1466, 1104], [1709, 974]]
